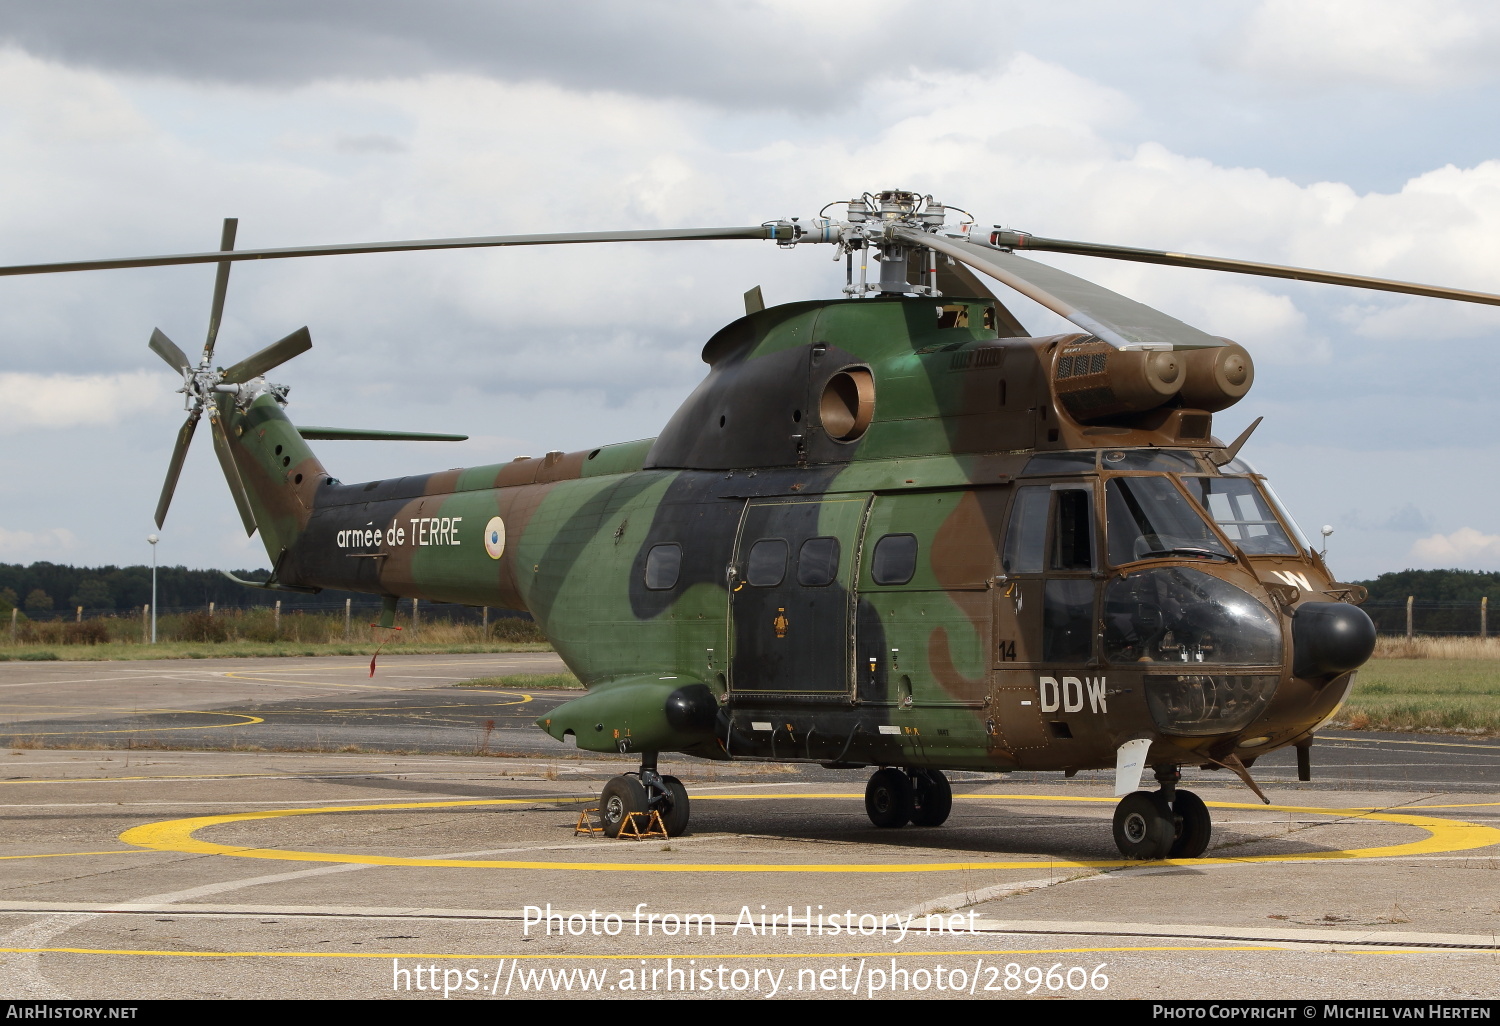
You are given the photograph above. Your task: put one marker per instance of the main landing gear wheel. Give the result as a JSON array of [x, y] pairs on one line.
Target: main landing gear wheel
[[622, 795], [888, 798], [674, 812], [1145, 827], [1194, 827], [932, 798]]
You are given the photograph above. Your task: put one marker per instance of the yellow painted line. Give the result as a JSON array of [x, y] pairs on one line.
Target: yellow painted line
[[460, 772], [66, 854], [309, 683], [246, 720], [1444, 835], [490, 956], [1392, 741]]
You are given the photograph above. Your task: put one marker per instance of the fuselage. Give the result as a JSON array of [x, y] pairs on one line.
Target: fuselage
[[970, 578]]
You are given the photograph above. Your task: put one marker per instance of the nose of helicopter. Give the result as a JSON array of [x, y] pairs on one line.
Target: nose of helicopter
[[1330, 638]]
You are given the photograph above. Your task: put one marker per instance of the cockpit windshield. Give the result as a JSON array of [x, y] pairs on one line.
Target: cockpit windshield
[[1242, 514], [1148, 518]]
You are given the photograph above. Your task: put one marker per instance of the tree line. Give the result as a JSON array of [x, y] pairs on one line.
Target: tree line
[[43, 590], [1447, 600]]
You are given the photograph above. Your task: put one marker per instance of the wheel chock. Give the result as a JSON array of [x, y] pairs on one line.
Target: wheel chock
[[631, 828], [586, 825]]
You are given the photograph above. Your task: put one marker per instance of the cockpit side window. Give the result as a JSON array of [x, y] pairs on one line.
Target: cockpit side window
[[1026, 538], [1148, 518], [1073, 529], [1242, 514]]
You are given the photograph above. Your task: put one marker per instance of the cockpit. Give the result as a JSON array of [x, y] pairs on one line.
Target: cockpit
[[1142, 560]]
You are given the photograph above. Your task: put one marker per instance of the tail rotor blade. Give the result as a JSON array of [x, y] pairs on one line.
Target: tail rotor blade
[[168, 351], [174, 469], [274, 355], [232, 476], [221, 286]]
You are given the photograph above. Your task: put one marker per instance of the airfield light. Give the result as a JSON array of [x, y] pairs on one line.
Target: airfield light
[[153, 539]]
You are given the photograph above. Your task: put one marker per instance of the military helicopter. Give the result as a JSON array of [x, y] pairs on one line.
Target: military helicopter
[[887, 530]]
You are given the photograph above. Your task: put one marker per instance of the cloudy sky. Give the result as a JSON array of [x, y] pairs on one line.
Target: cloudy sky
[[1354, 135]]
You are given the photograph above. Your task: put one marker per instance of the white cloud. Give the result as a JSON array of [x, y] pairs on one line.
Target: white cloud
[[1464, 548], [28, 546], [36, 401], [1422, 43]]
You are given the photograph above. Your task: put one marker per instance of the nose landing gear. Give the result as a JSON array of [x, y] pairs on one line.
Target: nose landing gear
[[895, 797], [1164, 824], [644, 791]]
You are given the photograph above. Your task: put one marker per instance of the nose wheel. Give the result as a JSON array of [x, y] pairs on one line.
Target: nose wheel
[[1165, 824]]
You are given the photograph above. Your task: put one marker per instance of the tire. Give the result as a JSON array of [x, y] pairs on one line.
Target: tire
[[675, 819], [932, 798], [888, 798], [621, 796], [1145, 827], [1194, 826]]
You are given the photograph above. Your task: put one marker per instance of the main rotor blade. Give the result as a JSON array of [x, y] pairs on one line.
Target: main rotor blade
[[232, 475], [167, 350], [1121, 322], [174, 469], [274, 355], [221, 286], [766, 231], [1152, 256]]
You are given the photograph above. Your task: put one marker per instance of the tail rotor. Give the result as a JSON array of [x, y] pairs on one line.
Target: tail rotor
[[202, 384]]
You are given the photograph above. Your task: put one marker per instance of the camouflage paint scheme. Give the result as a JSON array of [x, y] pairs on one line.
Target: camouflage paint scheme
[[945, 670]]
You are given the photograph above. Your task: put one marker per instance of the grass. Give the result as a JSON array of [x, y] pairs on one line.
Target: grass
[[1443, 684], [526, 681]]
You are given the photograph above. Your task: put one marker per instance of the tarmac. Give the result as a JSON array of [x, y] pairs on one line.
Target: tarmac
[[296, 828]]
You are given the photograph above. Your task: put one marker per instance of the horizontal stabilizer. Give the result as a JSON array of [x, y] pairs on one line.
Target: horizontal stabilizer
[[269, 585], [333, 434]]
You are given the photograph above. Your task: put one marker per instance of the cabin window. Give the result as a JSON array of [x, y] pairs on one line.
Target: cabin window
[[1242, 514], [1073, 530], [766, 567], [1148, 518], [1026, 539], [818, 562], [663, 564], [895, 559]]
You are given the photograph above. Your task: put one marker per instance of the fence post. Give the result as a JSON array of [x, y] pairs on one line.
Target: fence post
[[348, 617], [210, 610], [484, 622], [146, 623], [78, 615], [1408, 616], [277, 623], [414, 618], [14, 615]]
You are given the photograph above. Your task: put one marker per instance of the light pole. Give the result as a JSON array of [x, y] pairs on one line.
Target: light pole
[[153, 539]]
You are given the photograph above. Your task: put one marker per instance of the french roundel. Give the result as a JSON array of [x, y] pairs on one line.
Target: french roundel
[[494, 537]]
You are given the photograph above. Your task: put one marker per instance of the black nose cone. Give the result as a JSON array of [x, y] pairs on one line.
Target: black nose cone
[[1330, 638]]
